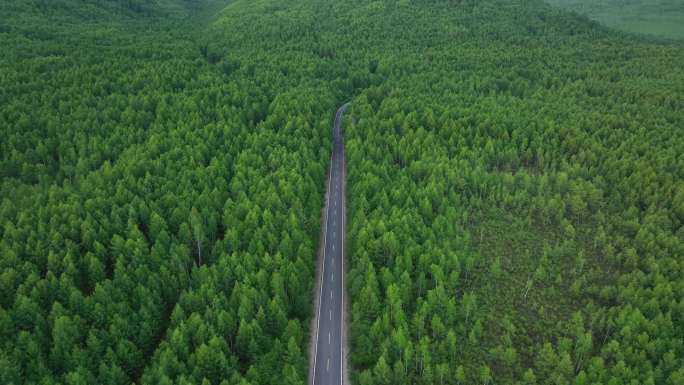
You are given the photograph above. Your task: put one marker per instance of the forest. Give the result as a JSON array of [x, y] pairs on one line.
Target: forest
[[515, 192]]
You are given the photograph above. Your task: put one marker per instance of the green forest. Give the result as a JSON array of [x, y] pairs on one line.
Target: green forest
[[515, 189]]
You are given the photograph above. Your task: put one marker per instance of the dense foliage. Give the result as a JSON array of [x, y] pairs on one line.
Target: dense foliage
[[515, 191], [516, 198], [159, 206]]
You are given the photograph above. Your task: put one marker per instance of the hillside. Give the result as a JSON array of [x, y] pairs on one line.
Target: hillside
[[660, 18], [516, 203]]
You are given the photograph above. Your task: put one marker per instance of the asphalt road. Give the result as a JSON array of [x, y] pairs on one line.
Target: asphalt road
[[328, 348]]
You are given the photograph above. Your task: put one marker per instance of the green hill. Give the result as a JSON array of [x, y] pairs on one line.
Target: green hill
[[661, 18]]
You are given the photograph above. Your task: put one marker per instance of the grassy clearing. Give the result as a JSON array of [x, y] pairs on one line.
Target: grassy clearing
[[662, 18]]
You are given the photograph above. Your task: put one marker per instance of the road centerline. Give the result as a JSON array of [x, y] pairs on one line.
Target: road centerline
[[333, 350]]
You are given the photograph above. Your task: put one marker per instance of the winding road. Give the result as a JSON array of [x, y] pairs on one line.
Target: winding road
[[328, 357]]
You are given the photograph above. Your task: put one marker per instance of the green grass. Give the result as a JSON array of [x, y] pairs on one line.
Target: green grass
[[662, 18]]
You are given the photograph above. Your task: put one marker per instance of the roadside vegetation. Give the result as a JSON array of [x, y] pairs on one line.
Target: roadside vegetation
[[160, 202], [515, 190], [515, 202]]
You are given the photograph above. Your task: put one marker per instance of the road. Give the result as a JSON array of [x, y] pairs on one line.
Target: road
[[329, 333]]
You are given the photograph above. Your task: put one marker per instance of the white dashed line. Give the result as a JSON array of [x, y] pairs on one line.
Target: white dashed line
[[325, 242]]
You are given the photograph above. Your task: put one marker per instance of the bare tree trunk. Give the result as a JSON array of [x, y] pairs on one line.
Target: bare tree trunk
[[199, 251], [528, 285]]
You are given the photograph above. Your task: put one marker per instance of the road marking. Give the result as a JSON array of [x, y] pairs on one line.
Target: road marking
[[337, 166], [332, 276], [342, 283], [325, 241], [333, 247], [328, 338], [330, 293]]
